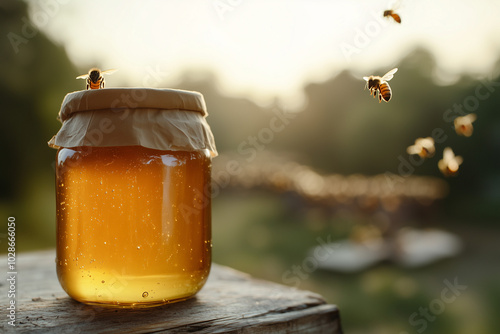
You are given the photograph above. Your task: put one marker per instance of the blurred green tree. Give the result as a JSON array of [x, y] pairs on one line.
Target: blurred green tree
[[36, 74]]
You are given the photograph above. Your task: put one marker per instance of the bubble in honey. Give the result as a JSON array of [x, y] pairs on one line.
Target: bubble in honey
[[145, 294]]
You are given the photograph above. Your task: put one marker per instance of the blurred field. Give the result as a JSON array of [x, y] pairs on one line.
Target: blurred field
[[258, 232]]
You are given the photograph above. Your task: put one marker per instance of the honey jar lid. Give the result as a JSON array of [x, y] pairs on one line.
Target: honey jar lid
[[163, 119]]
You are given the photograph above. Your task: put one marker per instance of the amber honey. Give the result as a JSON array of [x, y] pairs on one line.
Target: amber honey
[[133, 224]]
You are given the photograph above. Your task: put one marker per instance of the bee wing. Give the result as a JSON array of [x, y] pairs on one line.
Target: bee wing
[[388, 76], [471, 117], [442, 165], [414, 149], [83, 76], [366, 78], [448, 154], [396, 5], [109, 71], [427, 142]]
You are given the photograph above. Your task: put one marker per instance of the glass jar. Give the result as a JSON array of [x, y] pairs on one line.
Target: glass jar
[[133, 220]]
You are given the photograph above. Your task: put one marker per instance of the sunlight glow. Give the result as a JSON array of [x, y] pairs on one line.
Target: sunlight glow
[[262, 49]]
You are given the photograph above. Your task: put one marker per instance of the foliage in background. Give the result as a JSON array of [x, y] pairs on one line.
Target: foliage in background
[[34, 82], [341, 130]]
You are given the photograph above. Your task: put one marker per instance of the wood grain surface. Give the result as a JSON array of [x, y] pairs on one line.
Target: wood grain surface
[[230, 302]]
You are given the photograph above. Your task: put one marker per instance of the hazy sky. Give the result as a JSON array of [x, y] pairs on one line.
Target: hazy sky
[[263, 48]]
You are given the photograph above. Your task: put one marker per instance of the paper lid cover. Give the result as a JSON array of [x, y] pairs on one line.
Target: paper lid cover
[[163, 119]]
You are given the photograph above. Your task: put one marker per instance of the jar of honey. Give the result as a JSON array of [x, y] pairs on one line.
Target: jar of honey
[[133, 196]]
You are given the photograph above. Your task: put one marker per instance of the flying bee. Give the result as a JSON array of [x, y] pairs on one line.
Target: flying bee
[[449, 164], [463, 125], [94, 78], [379, 84], [390, 13], [424, 147]]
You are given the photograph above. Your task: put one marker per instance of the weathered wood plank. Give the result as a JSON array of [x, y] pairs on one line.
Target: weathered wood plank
[[230, 302]]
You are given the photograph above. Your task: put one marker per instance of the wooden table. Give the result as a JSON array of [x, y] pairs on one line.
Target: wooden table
[[230, 302]]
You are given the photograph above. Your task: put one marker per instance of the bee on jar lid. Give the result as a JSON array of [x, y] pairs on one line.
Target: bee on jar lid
[[463, 125], [379, 85], [94, 78], [450, 163], [424, 147]]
